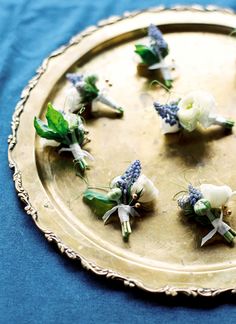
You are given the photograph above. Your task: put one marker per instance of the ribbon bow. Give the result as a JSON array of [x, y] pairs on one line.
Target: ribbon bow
[[77, 152], [123, 212], [219, 226]]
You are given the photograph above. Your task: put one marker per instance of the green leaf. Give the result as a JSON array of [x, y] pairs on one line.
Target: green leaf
[[146, 54], [92, 80], [45, 132], [99, 203], [164, 51], [56, 121], [89, 91]]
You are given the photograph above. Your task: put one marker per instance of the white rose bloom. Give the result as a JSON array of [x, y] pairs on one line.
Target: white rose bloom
[[197, 106], [72, 100], [217, 195], [188, 113], [167, 128], [149, 191], [73, 120], [207, 107]]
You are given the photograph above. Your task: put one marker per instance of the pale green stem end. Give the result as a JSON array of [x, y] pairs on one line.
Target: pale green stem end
[[126, 230]]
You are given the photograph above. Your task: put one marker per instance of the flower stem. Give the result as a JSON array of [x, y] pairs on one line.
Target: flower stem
[[232, 234], [164, 70], [82, 164], [226, 123], [166, 74], [229, 237], [232, 231], [168, 83], [77, 153], [126, 230], [109, 102]]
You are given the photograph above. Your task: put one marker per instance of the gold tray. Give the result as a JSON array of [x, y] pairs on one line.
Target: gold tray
[[163, 254]]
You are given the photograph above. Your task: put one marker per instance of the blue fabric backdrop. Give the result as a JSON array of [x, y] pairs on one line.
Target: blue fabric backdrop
[[37, 285]]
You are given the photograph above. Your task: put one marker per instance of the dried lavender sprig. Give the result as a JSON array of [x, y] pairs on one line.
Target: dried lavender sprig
[[168, 112]]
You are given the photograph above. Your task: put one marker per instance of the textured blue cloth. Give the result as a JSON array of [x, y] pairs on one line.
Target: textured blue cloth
[[37, 285]]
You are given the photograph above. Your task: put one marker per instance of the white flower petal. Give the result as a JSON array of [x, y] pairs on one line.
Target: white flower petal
[[73, 120], [188, 113], [197, 106], [167, 128], [217, 195], [207, 107], [72, 102], [149, 191]]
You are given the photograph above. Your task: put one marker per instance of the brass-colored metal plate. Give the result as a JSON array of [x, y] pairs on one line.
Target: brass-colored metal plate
[[163, 254]]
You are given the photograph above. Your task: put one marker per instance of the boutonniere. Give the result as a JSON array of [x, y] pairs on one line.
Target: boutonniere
[[197, 107], [153, 56], [85, 94], [66, 129], [208, 205], [128, 193]]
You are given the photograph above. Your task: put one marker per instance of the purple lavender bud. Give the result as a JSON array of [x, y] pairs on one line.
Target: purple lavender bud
[[167, 112]]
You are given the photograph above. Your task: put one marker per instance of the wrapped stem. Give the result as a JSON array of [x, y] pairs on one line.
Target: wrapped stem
[[222, 228], [203, 207], [109, 102], [221, 121], [165, 72], [78, 154], [229, 237], [123, 213]]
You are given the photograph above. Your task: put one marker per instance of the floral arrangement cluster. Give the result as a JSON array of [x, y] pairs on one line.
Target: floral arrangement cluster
[[153, 55], [85, 94], [66, 129], [207, 205], [132, 192], [128, 193], [196, 108]]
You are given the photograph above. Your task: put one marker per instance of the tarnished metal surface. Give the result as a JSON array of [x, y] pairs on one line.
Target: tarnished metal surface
[[164, 253]]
